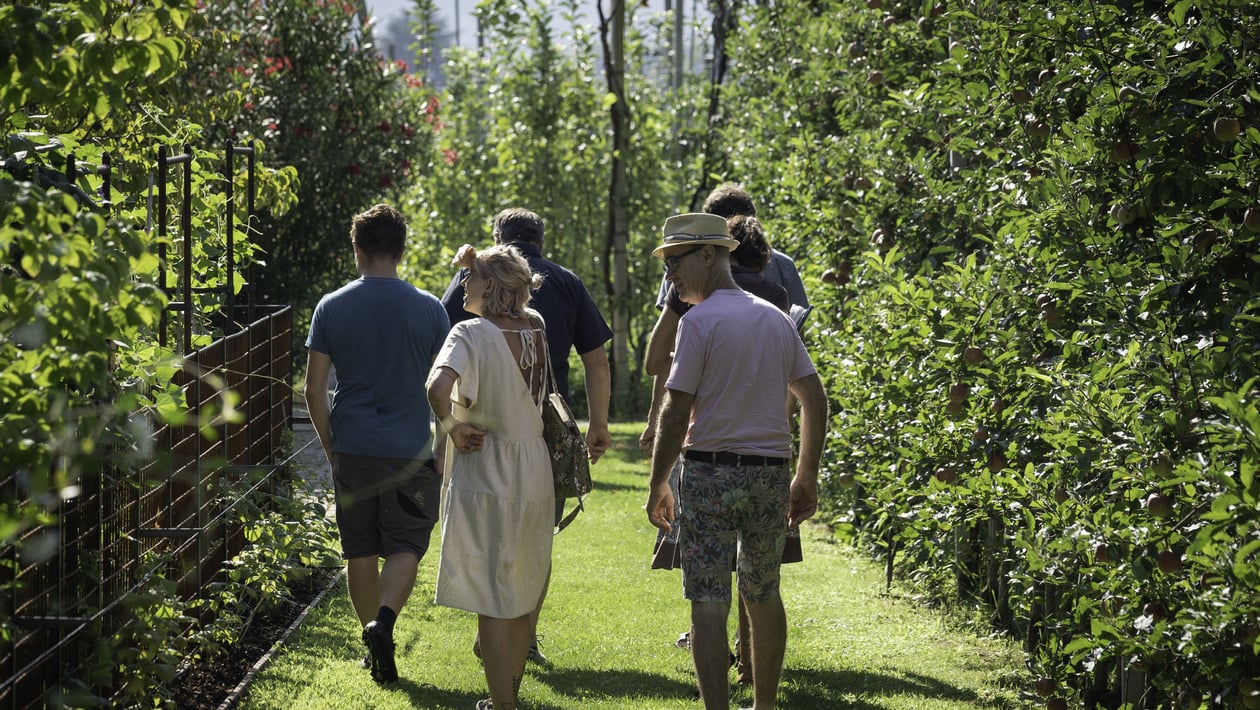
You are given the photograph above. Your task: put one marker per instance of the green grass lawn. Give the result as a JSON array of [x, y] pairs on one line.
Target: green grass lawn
[[610, 624]]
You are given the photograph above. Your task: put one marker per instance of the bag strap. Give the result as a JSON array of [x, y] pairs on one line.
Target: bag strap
[[564, 522], [551, 375]]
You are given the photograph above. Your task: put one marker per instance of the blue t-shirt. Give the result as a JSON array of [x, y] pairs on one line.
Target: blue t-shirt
[[573, 320], [382, 335]]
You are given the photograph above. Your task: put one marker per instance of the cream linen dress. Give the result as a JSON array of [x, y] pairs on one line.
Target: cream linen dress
[[498, 504]]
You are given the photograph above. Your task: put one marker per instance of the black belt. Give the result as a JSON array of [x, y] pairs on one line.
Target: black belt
[[730, 458]]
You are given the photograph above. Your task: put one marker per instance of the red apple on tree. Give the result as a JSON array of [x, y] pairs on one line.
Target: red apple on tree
[[1168, 561], [946, 475], [997, 461], [1159, 505], [1155, 610], [1045, 686], [973, 355], [1101, 554], [959, 392], [875, 78], [1226, 128], [846, 480], [955, 408], [1124, 152], [1056, 704], [1251, 219], [1163, 464], [1021, 96]]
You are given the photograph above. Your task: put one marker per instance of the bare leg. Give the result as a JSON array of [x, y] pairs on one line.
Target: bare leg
[[504, 643], [709, 652], [363, 582], [397, 579], [743, 648], [769, 640], [533, 615]]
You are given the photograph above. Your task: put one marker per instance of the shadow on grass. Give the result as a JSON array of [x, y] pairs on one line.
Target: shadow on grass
[[617, 487], [591, 684], [819, 689], [802, 689]]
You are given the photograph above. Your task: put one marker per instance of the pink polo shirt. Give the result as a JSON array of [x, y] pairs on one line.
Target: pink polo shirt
[[737, 353]]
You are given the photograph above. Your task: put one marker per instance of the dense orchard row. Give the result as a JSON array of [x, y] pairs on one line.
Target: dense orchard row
[[1033, 230]]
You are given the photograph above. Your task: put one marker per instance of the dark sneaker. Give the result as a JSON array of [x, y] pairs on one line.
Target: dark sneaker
[[381, 654], [684, 640]]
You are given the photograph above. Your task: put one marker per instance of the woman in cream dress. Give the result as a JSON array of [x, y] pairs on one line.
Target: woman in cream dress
[[485, 388]]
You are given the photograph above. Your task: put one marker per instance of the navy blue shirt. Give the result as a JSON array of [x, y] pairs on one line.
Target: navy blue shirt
[[573, 319]]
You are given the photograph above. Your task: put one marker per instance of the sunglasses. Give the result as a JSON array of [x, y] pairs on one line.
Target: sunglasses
[[671, 262]]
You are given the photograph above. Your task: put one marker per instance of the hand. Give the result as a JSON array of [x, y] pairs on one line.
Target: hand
[[468, 437], [597, 441], [803, 502], [660, 507], [647, 439]]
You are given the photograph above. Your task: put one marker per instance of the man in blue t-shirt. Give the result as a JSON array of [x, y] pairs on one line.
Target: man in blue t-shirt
[[380, 334], [573, 321]]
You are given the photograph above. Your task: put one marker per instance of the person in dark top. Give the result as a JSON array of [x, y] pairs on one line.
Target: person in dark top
[[572, 320]]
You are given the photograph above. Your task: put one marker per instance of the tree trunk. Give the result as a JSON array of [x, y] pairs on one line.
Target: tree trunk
[[616, 265]]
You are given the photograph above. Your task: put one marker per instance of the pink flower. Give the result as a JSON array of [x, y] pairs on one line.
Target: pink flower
[[450, 154]]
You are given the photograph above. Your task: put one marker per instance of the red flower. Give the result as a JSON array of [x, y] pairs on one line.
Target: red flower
[[386, 181], [384, 126], [354, 169], [450, 154]]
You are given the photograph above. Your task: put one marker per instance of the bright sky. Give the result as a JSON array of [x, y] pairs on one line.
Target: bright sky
[[386, 10]]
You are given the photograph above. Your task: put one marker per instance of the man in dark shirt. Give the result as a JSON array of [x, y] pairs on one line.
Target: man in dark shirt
[[573, 321]]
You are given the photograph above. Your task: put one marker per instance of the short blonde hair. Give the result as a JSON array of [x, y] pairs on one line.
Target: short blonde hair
[[509, 280]]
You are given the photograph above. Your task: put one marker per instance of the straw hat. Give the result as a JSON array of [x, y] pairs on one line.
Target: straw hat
[[694, 229]]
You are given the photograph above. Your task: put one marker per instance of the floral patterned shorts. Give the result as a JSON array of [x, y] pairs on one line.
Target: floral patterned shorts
[[726, 509]]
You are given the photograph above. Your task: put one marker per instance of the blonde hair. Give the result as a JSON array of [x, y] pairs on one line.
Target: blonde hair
[[509, 280]]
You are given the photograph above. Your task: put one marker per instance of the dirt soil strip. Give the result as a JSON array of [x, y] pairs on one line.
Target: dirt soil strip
[[241, 687]]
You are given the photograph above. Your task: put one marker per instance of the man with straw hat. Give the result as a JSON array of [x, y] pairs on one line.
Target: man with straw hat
[[735, 359]]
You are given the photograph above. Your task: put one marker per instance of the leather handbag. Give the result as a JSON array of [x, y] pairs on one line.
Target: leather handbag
[[570, 459]]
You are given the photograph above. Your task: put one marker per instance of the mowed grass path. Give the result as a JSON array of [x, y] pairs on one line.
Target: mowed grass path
[[610, 624]]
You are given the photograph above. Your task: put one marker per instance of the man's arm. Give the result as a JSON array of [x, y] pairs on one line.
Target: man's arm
[[671, 429], [648, 437], [316, 392], [804, 501], [595, 372], [660, 349]]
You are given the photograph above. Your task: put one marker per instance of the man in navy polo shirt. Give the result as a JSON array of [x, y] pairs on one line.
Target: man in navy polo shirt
[[573, 321]]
